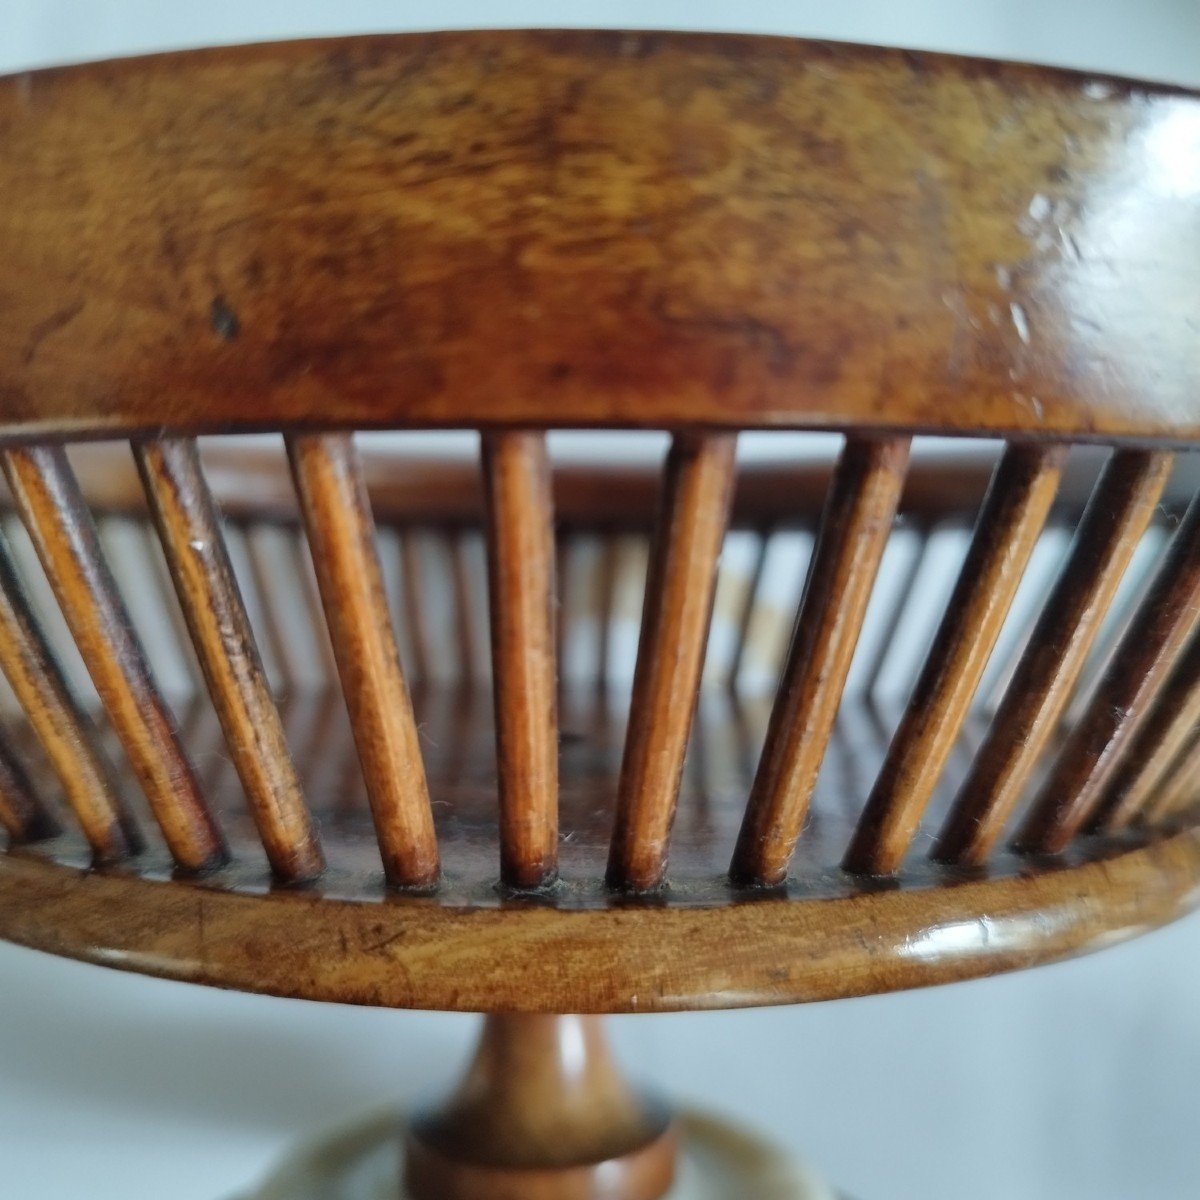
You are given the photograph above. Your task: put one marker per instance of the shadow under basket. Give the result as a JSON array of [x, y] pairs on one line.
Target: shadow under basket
[[295, 706]]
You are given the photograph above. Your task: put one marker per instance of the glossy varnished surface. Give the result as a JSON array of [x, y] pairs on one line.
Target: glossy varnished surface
[[591, 228], [578, 947]]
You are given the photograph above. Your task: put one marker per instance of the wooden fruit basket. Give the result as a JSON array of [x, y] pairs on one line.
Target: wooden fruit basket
[[518, 233]]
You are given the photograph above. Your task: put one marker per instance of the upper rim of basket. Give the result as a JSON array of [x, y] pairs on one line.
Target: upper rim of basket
[[573, 228]]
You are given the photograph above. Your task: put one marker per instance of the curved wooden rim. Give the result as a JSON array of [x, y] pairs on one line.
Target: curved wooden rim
[[574, 228], [408, 952]]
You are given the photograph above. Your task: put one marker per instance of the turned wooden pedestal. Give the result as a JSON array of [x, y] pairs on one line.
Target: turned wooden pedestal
[[542, 1114]]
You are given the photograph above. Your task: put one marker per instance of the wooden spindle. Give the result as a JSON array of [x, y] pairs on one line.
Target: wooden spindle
[[1167, 617], [182, 638], [854, 532], [520, 529], [48, 498], [413, 603], [190, 532], [64, 730], [273, 593], [464, 619], [897, 607], [606, 602], [1159, 741], [741, 643], [1010, 521], [697, 487], [1180, 786], [341, 535], [310, 598], [1109, 531], [22, 815]]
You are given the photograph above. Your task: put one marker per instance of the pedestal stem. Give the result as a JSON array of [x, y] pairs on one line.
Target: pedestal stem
[[542, 1114]]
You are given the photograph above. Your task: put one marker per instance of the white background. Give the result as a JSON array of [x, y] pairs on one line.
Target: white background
[[1075, 1081]]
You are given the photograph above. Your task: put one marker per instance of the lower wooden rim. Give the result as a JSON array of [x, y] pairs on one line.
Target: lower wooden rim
[[410, 952]]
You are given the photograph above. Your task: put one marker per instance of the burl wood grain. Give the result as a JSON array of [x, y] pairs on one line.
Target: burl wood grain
[[65, 535], [191, 536], [341, 536], [1071, 617], [1168, 616], [854, 531], [521, 589], [651, 229], [697, 484], [1010, 522]]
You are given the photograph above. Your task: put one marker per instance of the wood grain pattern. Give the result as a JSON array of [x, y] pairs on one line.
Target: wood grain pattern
[[407, 952], [341, 536], [190, 531], [854, 531], [703, 230], [1159, 630], [520, 536], [1010, 522], [514, 231], [542, 1114], [1071, 617], [64, 730], [22, 816], [1159, 741], [62, 529], [697, 485]]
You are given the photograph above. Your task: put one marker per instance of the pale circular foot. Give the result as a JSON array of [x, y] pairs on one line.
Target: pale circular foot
[[717, 1161]]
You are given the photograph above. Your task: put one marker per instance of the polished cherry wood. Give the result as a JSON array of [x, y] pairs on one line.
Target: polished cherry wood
[[1122, 700], [521, 562], [467, 954], [64, 730], [697, 484], [1157, 745], [542, 1114], [854, 533], [191, 536], [64, 533], [341, 536], [515, 234], [1108, 533], [603, 227], [1010, 521]]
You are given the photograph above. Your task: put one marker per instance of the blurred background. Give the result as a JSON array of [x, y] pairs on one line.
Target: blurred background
[[1072, 1081]]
